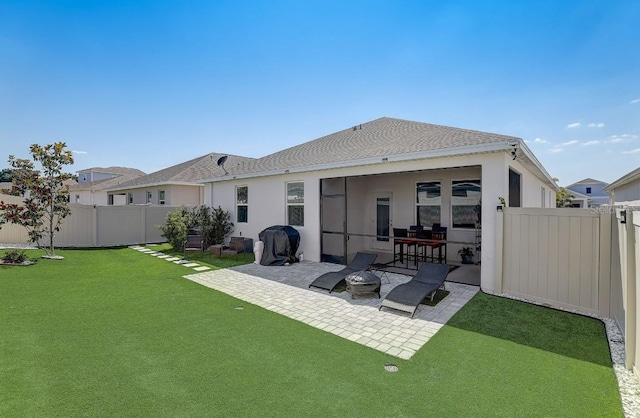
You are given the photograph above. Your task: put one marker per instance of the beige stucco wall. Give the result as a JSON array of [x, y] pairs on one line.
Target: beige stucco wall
[[175, 195], [267, 198]]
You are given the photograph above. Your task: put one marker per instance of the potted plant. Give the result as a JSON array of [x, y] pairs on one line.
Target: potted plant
[[467, 255]]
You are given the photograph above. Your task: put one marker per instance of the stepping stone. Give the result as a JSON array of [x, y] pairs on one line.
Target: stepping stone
[[181, 262], [173, 259], [164, 256], [191, 264], [146, 250], [202, 268]]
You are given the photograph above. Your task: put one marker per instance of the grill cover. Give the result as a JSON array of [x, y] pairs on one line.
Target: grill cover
[[280, 245]]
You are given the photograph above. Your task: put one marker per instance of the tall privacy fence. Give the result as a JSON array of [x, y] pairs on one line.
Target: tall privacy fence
[[101, 226], [587, 260]]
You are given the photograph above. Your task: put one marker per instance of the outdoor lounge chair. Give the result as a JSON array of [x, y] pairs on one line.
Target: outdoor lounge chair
[[329, 281], [408, 296]]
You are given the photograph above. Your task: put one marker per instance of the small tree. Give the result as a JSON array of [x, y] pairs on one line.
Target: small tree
[[563, 197], [175, 228], [221, 226], [46, 202]]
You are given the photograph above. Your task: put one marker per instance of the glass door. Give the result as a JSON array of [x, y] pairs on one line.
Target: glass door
[[382, 221]]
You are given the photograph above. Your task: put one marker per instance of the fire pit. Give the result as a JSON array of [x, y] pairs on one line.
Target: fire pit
[[363, 283]]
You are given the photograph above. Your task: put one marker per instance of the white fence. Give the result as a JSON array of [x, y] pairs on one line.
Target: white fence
[[101, 226], [581, 259]]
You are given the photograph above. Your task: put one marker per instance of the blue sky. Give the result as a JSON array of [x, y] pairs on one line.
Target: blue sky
[[149, 84]]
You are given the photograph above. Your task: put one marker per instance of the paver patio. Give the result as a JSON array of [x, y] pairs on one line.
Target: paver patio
[[284, 289]]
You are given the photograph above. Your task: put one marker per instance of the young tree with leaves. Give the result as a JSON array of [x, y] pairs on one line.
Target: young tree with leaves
[[46, 202]]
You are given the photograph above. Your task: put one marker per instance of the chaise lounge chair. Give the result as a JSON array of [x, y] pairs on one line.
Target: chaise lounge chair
[[329, 281], [408, 296]]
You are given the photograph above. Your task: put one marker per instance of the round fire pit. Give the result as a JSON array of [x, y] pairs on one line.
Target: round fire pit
[[363, 283]]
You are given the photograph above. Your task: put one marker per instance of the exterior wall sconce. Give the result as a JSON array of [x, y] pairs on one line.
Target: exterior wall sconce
[[499, 208], [623, 216], [385, 160]]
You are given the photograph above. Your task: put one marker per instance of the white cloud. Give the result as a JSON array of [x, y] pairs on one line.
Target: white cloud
[[79, 152], [633, 151], [556, 150], [621, 138], [634, 101], [573, 125], [591, 143], [539, 141], [596, 125], [572, 142]]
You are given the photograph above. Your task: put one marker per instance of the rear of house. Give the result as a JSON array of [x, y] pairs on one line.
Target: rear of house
[[345, 192]]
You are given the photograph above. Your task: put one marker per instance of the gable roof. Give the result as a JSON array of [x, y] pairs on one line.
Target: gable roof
[[113, 170], [188, 172], [587, 181], [626, 179], [103, 184], [400, 139]]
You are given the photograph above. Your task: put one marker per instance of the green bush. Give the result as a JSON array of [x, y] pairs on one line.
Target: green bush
[[15, 256], [213, 224], [176, 227]]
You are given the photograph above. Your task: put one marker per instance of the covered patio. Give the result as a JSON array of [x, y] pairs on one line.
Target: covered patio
[[285, 290]]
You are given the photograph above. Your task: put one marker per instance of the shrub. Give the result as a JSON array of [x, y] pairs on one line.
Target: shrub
[[14, 256], [175, 228], [214, 225]]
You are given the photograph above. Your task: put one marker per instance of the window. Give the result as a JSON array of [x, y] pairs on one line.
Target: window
[[543, 197], [130, 198], [295, 204], [465, 203], [242, 204], [149, 197], [428, 203], [588, 190], [161, 197], [77, 198], [514, 189]]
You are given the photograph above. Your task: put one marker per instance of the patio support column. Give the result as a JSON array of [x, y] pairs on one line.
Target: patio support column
[[494, 185]]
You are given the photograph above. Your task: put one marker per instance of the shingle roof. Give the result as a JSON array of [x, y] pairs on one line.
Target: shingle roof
[[188, 172], [587, 181], [113, 170], [104, 183], [382, 137]]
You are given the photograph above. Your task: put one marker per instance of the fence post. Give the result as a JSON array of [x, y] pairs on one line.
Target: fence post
[[605, 248], [95, 226], [143, 224], [499, 249]]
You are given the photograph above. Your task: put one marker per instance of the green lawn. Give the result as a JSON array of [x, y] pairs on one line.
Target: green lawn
[[119, 333]]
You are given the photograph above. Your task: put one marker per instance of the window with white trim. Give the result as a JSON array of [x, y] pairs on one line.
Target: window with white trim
[[295, 203], [428, 203], [149, 197], [465, 203], [242, 204], [161, 197], [130, 198]]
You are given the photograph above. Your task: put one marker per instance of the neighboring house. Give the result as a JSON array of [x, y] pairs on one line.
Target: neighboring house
[[177, 185], [579, 200], [93, 182], [593, 189], [626, 188], [346, 191]]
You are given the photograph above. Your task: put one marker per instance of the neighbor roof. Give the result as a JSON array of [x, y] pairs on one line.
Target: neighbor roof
[[188, 172], [587, 181], [113, 170], [626, 179]]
